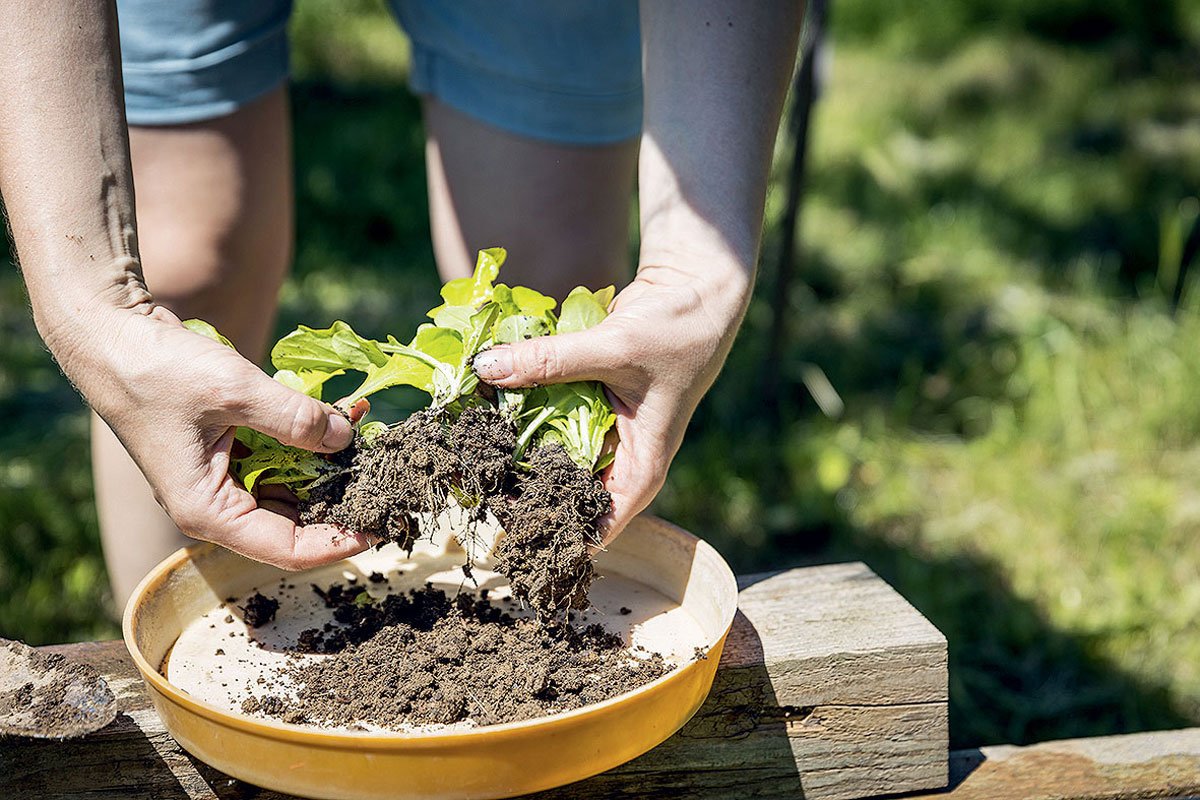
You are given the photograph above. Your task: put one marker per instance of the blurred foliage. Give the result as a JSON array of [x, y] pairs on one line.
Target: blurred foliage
[[935, 27], [994, 308]]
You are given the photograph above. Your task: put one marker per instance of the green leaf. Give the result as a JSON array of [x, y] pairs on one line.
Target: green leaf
[[400, 369], [520, 326], [441, 344], [512, 401], [330, 349], [455, 317], [270, 461], [524, 314], [582, 419], [575, 415], [371, 431], [460, 379], [532, 302], [487, 269], [307, 382], [584, 309], [438, 360], [477, 289], [205, 329]]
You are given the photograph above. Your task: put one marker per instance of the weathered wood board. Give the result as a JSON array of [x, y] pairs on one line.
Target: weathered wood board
[[831, 687], [1139, 766]]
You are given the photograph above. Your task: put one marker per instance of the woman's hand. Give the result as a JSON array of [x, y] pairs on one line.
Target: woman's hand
[[657, 353], [715, 77], [175, 398]]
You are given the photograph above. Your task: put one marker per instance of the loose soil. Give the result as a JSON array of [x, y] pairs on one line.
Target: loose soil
[[549, 511], [426, 658]]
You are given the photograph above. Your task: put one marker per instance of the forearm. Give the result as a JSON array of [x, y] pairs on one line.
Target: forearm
[[715, 75], [64, 162]]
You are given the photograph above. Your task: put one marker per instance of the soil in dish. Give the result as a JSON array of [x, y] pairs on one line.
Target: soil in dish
[[423, 657], [549, 510]]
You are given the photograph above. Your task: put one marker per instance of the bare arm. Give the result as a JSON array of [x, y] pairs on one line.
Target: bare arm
[[715, 78], [64, 160], [173, 397], [716, 74]]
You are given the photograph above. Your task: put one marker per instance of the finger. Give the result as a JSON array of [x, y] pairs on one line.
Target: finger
[[355, 412], [632, 490], [589, 355], [163, 314], [276, 491], [230, 516], [281, 507], [359, 410], [264, 534], [289, 416], [624, 508]]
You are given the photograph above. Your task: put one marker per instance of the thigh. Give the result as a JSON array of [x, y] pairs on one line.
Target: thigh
[[562, 211], [214, 211], [533, 112]]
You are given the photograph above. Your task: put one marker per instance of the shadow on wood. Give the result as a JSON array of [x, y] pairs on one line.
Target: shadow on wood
[[737, 744]]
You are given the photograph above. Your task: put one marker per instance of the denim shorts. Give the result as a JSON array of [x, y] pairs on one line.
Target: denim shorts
[[566, 72]]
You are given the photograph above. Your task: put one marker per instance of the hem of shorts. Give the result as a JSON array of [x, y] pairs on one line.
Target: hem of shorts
[[202, 112], [425, 80]]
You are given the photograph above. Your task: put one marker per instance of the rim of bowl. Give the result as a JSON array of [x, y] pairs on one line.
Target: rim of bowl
[[397, 739]]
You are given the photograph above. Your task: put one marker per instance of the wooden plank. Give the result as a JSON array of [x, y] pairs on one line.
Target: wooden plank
[[831, 687], [1139, 766]]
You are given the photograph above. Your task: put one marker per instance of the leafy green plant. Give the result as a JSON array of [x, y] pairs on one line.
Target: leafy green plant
[[476, 313]]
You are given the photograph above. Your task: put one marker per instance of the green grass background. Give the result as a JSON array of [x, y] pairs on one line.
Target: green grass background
[[994, 283]]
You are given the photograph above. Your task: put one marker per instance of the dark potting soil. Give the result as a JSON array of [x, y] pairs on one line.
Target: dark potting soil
[[425, 658], [549, 511], [548, 528]]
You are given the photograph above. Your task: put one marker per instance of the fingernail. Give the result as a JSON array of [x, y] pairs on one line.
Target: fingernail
[[494, 364], [337, 432]]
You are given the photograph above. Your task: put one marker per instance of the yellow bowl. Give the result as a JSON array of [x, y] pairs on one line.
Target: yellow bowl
[[492, 761]]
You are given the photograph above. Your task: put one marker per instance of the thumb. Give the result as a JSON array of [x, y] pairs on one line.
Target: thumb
[[587, 355], [293, 418]]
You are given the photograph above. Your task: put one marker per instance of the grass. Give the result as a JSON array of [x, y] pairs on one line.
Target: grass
[[994, 307]]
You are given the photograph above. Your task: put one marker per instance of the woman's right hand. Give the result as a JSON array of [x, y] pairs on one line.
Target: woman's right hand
[[174, 398]]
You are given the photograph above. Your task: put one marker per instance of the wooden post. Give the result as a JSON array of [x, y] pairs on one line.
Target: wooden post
[[831, 686]]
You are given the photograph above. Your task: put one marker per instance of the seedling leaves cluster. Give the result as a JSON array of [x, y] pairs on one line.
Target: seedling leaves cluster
[[476, 313]]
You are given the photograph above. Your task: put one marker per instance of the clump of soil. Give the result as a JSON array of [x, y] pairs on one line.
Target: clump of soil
[[548, 528], [424, 658], [549, 511], [259, 610], [51, 712]]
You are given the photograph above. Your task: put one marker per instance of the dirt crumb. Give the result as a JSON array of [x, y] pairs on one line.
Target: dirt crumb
[[259, 610]]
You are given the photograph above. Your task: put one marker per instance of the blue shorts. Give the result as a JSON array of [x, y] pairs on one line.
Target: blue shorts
[[566, 72]]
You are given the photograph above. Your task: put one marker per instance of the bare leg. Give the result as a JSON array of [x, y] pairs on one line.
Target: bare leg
[[214, 212], [561, 211]]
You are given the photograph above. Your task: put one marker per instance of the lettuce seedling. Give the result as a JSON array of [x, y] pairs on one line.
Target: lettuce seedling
[[575, 415], [476, 313], [270, 461]]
